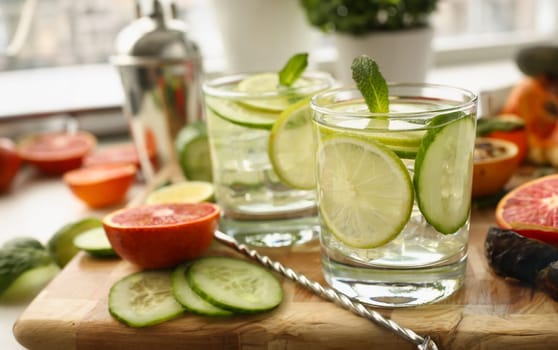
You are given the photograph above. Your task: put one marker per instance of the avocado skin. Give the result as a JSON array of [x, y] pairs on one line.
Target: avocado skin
[[538, 60]]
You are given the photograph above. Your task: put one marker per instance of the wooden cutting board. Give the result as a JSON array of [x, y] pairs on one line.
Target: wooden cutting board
[[489, 312]]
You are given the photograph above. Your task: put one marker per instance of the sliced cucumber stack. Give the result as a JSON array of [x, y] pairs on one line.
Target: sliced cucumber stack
[[143, 299], [443, 175], [234, 284], [212, 286], [189, 299]]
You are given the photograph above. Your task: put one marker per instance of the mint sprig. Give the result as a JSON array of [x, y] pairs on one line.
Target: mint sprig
[[371, 83], [293, 69]]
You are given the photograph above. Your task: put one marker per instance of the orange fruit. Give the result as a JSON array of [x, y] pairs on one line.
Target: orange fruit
[[56, 152], [495, 163], [162, 235], [123, 153], [532, 209], [101, 185], [10, 163]]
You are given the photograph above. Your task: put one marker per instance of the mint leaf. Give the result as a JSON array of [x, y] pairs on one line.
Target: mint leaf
[[293, 69], [371, 84]]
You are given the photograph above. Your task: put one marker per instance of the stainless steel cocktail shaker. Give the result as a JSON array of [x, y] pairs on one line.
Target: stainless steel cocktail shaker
[[161, 70]]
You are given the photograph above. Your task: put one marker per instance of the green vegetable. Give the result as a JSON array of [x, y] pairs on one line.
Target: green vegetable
[[14, 261], [23, 242], [61, 245], [487, 125], [371, 83], [293, 69], [358, 17]]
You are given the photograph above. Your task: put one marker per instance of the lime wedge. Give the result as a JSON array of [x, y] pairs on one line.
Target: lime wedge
[[291, 147], [366, 194], [182, 192], [61, 245], [95, 242], [192, 146], [442, 176], [239, 114], [269, 82]]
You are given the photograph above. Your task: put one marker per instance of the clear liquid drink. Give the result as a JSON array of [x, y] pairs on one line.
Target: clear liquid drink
[[259, 207], [394, 192]]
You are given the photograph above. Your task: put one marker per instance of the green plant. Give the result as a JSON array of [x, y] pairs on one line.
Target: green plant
[[363, 16]]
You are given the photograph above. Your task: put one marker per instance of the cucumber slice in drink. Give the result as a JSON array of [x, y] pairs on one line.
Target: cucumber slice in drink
[[366, 194], [443, 176], [241, 115], [189, 299], [235, 284], [291, 147], [143, 299], [95, 243]]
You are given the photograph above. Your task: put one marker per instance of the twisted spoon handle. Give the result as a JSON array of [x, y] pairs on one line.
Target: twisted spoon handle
[[423, 343]]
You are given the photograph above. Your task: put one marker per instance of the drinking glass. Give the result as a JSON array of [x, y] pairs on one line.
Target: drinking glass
[[259, 207], [394, 192]]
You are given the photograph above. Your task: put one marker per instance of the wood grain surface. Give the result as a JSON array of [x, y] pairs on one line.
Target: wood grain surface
[[489, 312]]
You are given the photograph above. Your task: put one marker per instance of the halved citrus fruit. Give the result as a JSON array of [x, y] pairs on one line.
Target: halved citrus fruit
[[162, 235], [102, 185], [531, 209], [56, 152]]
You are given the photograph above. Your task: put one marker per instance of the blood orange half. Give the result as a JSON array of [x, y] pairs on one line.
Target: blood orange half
[[162, 235], [101, 185], [532, 209], [56, 152]]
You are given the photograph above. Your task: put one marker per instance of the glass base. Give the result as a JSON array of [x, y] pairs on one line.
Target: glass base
[[272, 233], [395, 288]]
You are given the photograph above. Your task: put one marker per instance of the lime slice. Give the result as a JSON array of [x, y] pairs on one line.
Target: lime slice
[[241, 115], [366, 194], [442, 176], [193, 149], [95, 242], [269, 82], [291, 147], [182, 192], [61, 245]]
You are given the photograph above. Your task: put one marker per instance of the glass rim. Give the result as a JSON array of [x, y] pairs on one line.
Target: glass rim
[[213, 87], [469, 101]]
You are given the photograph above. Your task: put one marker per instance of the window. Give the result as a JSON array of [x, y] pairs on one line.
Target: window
[[63, 32]]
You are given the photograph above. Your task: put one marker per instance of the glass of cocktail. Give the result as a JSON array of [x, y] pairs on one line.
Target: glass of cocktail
[[259, 159], [394, 192]]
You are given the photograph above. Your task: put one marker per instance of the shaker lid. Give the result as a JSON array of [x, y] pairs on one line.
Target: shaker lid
[[154, 37]]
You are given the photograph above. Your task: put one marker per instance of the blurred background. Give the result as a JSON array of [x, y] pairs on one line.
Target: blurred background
[[50, 33]]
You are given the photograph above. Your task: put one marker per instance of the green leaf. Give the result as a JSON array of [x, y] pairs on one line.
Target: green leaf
[[371, 84], [293, 69]]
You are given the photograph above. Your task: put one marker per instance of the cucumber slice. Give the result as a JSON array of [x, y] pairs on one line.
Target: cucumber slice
[[143, 299], [95, 243], [240, 115], [443, 172], [189, 299], [235, 284]]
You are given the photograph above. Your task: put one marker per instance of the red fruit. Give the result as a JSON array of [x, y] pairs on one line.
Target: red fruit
[[123, 153], [162, 235], [101, 185], [56, 152], [532, 209], [10, 163]]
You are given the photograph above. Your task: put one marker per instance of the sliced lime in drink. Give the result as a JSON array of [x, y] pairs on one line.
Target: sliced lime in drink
[[268, 82], [404, 143], [182, 192], [291, 147], [366, 191], [443, 172], [241, 115]]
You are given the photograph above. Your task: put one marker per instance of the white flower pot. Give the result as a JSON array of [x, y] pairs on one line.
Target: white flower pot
[[261, 35], [403, 56]]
